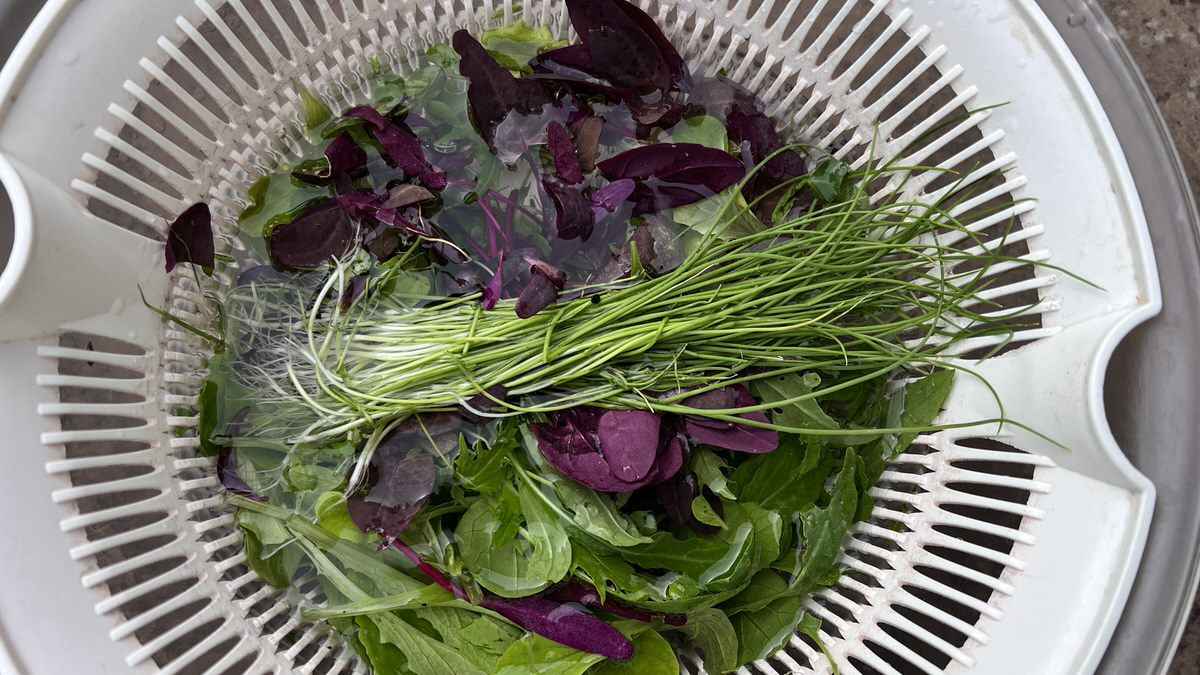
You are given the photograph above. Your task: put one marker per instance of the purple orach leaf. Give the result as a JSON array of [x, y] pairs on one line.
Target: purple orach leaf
[[572, 442], [386, 521], [588, 597], [565, 624], [609, 198], [491, 292], [406, 195], [383, 241], [345, 157], [227, 473], [728, 435], [647, 252], [573, 215], [361, 205], [519, 132], [494, 92], [354, 291], [670, 175], [190, 239], [317, 236], [572, 61], [555, 275], [562, 149], [401, 147], [676, 497], [538, 294], [587, 141], [261, 274], [630, 442], [747, 123], [403, 475], [626, 46]]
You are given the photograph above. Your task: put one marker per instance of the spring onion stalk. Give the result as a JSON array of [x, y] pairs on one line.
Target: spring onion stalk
[[853, 289]]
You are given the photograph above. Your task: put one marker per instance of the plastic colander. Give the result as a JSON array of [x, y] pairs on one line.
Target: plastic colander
[[991, 551]]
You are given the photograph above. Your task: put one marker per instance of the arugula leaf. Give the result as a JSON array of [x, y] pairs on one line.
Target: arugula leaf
[[383, 657], [763, 633], [334, 518], [766, 587], [722, 562], [702, 130], [483, 468], [703, 511], [597, 515], [824, 529], [828, 180], [425, 655], [726, 211], [277, 569], [805, 414], [789, 480], [923, 400], [652, 655], [607, 572], [710, 470], [485, 640], [316, 114], [277, 199], [519, 568], [710, 631], [516, 44]]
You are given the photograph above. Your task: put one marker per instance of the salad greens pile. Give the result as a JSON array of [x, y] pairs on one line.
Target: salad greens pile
[[556, 358]]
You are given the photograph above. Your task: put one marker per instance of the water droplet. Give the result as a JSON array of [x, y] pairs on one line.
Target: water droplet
[[1076, 19]]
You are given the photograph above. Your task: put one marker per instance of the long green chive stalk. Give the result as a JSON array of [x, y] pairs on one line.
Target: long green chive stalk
[[852, 289]]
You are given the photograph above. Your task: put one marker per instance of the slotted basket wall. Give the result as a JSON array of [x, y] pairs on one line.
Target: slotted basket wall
[[989, 551]]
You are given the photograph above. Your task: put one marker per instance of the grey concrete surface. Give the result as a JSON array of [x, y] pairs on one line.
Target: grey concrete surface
[[1164, 37]]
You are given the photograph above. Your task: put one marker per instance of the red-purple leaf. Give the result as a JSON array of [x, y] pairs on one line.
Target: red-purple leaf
[[572, 61], [491, 292], [386, 521], [676, 497], [609, 198], [728, 435], [345, 157], [362, 205], [354, 291], [562, 149], [403, 474], [406, 195], [669, 175], [626, 46], [493, 91], [630, 442], [190, 239], [571, 441], [573, 215], [587, 141], [227, 473], [538, 294], [565, 624], [588, 597], [401, 147], [314, 238], [555, 275]]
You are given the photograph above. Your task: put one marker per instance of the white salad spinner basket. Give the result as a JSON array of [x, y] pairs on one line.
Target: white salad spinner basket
[[991, 551]]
